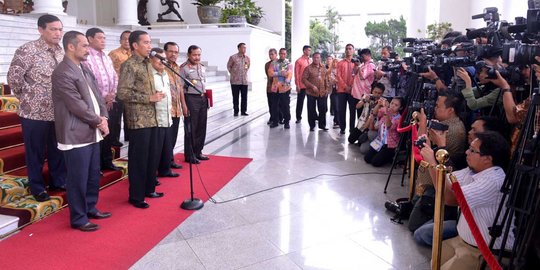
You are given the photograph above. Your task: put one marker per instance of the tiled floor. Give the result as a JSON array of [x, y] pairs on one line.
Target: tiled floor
[[330, 222]]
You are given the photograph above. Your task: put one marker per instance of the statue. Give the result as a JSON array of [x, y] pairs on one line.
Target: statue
[[141, 12], [170, 4]]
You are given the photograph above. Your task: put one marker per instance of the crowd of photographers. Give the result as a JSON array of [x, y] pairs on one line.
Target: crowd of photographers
[[472, 94]]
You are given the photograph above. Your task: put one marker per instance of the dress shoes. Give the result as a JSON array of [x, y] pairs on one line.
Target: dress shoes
[[139, 204], [193, 161], [312, 129], [235, 114], [298, 121], [169, 174], [155, 195], [287, 126], [110, 167], [117, 144], [202, 157], [88, 227], [245, 114], [53, 188], [158, 183], [273, 125], [176, 166], [323, 128], [41, 197], [100, 215]]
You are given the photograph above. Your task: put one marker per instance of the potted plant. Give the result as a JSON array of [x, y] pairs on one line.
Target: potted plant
[[253, 12], [234, 11], [208, 11]]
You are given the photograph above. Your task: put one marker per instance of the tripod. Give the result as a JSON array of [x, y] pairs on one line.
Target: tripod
[[413, 93], [192, 203], [521, 195]]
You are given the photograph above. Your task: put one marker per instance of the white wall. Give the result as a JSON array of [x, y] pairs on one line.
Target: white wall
[[218, 44]]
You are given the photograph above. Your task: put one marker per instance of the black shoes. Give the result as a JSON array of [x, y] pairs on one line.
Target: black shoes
[[193, 161], [169, 174], [298, 121], [158, 183], [342, 132], [245, 114], [323, 128], [88, 227], [100, 215], [202, 157], [155, 195], [42, 197], [235, 114], [53, 188], [286, 126], [273, 125], [117, 144], [142, 204], [312, 129], [176, 166], [110, 167]]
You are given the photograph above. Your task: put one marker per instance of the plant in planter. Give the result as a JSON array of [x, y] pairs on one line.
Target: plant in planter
[[233, 12], [253, 12], [208, 11]]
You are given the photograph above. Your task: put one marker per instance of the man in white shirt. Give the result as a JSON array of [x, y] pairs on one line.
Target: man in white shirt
[[481, 183]]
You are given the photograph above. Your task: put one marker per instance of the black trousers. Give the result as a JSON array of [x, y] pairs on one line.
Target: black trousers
[[39, 138], [343, 100], [196, 122], [115, 114], [334, 105], [280, 107], [115, 121], [242, 91], [82, 182], [164, 138], [142, 162], [300, 103], [174, 134], [381, 158], [315, 104]]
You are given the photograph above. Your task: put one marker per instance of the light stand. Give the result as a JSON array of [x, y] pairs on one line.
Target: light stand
[[192, 203]]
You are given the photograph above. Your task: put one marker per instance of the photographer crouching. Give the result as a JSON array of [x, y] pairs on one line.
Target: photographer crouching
[[447, 132], [481, 182]]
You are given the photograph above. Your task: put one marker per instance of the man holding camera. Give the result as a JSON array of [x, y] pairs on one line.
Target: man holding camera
[[382, 76], [481, 183], [453, 140]]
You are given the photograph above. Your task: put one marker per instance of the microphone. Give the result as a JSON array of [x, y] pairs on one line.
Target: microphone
[[164, 61], [156, 55]]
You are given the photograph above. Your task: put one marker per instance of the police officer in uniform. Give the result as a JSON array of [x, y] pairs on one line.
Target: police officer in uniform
[[197, 104]]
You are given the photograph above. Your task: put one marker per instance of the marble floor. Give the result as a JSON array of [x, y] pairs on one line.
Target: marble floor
[[331, 216]]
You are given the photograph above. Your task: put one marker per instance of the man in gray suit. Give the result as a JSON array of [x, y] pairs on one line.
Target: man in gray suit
[[81, 123]]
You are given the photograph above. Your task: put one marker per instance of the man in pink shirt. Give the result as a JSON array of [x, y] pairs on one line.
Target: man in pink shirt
[[102, 67], [365, 74], [345, 70], [299, 67]]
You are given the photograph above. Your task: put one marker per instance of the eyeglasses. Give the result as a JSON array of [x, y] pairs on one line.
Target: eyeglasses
[[474, 151]]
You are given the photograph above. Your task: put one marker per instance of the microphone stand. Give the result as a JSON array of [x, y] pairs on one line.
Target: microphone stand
[[192, 203]]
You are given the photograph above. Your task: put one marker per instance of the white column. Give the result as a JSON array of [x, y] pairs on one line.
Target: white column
[[48, 6], [154, 7], [300, 28], [127, 12], [416, 21]]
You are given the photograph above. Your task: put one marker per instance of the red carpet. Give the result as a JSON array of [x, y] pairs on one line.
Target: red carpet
[[126, 236]]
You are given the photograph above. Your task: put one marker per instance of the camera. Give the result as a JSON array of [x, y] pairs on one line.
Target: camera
[[517, 53], [357, 59], [420, 142], [436, 125], [402, 207], [428, 105]]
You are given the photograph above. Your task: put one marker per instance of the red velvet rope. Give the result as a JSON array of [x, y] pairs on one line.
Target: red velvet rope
[[414, 136], [466, 211]]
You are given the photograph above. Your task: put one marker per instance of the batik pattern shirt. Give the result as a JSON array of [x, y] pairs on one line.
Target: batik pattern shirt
[[315, 76], [177, 88], [102, 66], [238, 66], [134, 89], [281, 83], [118, 57], [29, 77]]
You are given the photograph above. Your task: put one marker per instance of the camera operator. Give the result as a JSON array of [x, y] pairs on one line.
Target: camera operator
[[453, 140], [424, 234], [384, 77], [481, 183], [516, 114], [363, 78]]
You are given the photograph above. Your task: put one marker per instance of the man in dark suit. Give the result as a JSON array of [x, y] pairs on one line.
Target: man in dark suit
[[81, 123]]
